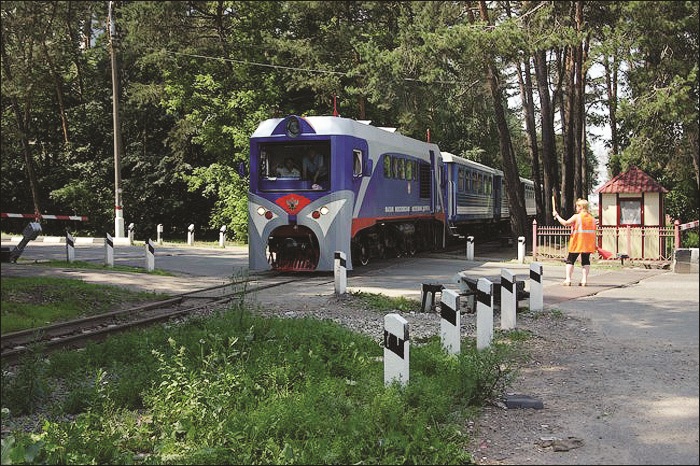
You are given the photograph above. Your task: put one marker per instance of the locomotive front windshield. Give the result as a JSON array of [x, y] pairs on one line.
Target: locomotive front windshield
[[295, 166]]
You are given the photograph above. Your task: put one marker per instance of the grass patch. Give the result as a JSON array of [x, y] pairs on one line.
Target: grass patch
[[235, 387], [383, 303], [94, 266], [34, 302]]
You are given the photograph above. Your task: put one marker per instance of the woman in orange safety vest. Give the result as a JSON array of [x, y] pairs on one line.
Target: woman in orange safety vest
[[582, 240]]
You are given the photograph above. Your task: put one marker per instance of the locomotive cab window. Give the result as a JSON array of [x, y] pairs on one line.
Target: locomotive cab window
[[295, 166]]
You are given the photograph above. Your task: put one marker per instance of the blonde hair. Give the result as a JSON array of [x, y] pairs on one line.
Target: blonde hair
[[583, 204]]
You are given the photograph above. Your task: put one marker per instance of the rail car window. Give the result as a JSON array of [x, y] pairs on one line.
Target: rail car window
[[295, 166], [356, 163]]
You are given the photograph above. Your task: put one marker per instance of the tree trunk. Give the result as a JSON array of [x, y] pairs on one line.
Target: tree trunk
[[549, 150]]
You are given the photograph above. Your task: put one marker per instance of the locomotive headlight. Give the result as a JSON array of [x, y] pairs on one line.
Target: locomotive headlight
[[316, 214], [324, 210], [261, 210]]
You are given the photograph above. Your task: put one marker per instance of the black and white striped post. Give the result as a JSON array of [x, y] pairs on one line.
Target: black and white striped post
[[450, 322], [131, 233], [222, 236], [159, 233], [484, 313], [470, 248], [109, 251], [396, 349], [190, 234], [536, 287], [521, 249], [70, 247], [150, 255], [340, 273], [509, 299]]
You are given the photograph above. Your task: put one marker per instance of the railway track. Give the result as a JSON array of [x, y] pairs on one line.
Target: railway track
[[76, 333]]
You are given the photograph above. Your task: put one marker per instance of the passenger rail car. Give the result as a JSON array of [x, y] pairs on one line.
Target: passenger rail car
[[322, 184]]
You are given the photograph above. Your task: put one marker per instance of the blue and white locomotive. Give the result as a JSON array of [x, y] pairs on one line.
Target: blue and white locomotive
[[322, 184]]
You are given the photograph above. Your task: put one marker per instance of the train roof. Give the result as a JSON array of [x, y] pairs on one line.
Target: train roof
[[449, 157], [332, 125]]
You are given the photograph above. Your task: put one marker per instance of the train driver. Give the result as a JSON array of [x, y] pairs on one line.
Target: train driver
[[288, 170], [313, 166]]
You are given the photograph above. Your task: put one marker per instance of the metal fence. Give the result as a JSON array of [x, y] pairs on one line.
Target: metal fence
[[635, 243]]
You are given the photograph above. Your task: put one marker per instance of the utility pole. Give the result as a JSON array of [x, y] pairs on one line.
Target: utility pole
[[118, 208]]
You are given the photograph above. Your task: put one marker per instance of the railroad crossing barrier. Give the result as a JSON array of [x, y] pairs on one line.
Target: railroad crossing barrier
[[109, 251], [509, 299], [150, 255], [190, 234], [536, 287], [450, 322], [70, 248], [470, 248], [30, 233], [340, 273], [396, 349], [484, 313], [222, 236]]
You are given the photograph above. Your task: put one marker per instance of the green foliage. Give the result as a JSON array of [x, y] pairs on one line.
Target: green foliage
[[383, 303]]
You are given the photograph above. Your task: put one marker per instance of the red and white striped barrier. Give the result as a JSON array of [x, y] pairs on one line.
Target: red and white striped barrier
[[80, 218], [689, 225]]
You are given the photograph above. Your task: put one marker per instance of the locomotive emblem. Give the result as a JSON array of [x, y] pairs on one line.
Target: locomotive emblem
[[293, 203]]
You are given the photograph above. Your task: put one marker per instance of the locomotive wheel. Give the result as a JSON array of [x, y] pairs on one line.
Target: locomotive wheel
[[364, 253]]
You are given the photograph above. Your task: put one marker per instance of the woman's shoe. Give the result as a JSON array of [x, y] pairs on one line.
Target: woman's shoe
[[582, 284], [566, 283]]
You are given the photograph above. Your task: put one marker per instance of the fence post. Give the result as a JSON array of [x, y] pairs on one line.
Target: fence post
[[629, 241], [521, 249], [109, 251], [396, 349], [450, 321], [484, 313], [534, 240], [70, 247]]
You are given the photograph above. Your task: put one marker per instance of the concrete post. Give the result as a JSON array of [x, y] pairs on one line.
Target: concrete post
[[536, 288], [222, 236], [131, 233], [521, 249], [484, 313], [70, 248], [470, 248], [340, 273], [509, 299], [159, 231], [396, 349], [150, 255], [450, 322], [109, 251], [190, 234]]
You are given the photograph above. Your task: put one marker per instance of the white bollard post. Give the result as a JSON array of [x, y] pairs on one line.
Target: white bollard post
[[222, 236], [190, 234], [521, 249], [159, 231], [109, 251], [470, 248], [450, 322], [509, 299], [396, 349], [150, 255], [340, 273], [484, 313], [131, 233], [70, 247], [536, 287]]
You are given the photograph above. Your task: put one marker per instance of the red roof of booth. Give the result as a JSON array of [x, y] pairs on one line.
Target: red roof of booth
[[633, 180]]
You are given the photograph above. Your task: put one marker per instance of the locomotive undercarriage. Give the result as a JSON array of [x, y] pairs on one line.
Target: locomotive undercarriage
[[386, 240], [293, 248]]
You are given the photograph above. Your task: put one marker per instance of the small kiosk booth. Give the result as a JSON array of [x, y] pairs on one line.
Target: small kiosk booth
[[632, 217]]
